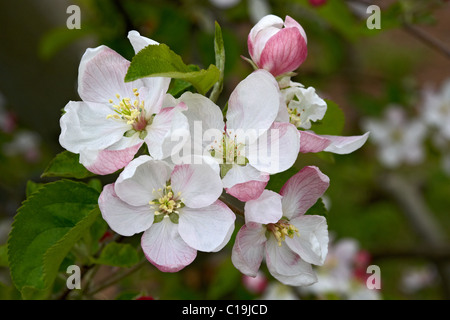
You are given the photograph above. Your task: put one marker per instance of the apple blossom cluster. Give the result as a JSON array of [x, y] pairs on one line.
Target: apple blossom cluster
[[400, 138], [177, 156]]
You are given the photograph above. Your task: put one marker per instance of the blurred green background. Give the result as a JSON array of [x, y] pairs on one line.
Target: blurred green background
[[362, 70]]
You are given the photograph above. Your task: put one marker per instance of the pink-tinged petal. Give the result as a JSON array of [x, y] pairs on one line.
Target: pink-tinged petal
[[85, 126], [241, 174], [258, 35], [123, 218], [302, 191], [311, 142], [311, 243], [264, 210], [249, 190], [286, 266], [345, 145], [199, 184], [253, 105], [101, 76], [107, 161], [167, 133], [291, 23], [139, 178], [284, 52], [276, 150], [165, 249], [248, 249], [206, 228]]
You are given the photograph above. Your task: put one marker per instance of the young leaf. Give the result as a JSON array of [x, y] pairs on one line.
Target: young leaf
[[160, 61], [118, 255], [219, 50], [66, 165], [45, 229]]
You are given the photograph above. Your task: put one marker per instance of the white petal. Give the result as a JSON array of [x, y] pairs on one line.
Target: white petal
[[302, 191], [101, 76], [205, 229], [286, 266], [123, 218], [266, 209], [254, 104], [137, 181], [165, 249], [84, 126], [345, 145], [167, 133], [139, 42], [312, 242], [276, 150], [199, 184], [248, 249]]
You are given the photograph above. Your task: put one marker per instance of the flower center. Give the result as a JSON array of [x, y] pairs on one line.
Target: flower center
[[133, 112], [295, 117], [166, 203], [228, 152], [281, 229]]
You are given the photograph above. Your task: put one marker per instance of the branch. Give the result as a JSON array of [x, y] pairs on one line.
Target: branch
[[427, 39]]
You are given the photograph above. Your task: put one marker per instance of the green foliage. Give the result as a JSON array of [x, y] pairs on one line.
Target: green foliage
[[332, 123], [45, 229], [318, 209], [160, 61], [3, 255], [118, 255], [66, 165]]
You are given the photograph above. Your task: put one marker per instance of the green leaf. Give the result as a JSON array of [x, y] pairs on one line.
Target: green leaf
[[4, 255], [45, 229], [160, 61], [32, 187], [178, 86], [219, 51], [66, 165], [332, 123], [118, 255]]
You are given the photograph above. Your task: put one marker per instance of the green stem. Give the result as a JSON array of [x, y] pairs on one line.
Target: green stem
[[118, 277]]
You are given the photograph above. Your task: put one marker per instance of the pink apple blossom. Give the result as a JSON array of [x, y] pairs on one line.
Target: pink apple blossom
[[276, 45], [277, 229], [178, 210], [115, 118]]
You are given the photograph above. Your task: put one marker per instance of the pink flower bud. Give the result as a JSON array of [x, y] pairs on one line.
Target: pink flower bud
[[317, 3], [277, 46]]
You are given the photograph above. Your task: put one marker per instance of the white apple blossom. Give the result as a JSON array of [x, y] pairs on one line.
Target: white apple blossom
[[277, 229], [250, 145], [301, 106], [399, 139], [115, 118], [178, 210], [436, 109]]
